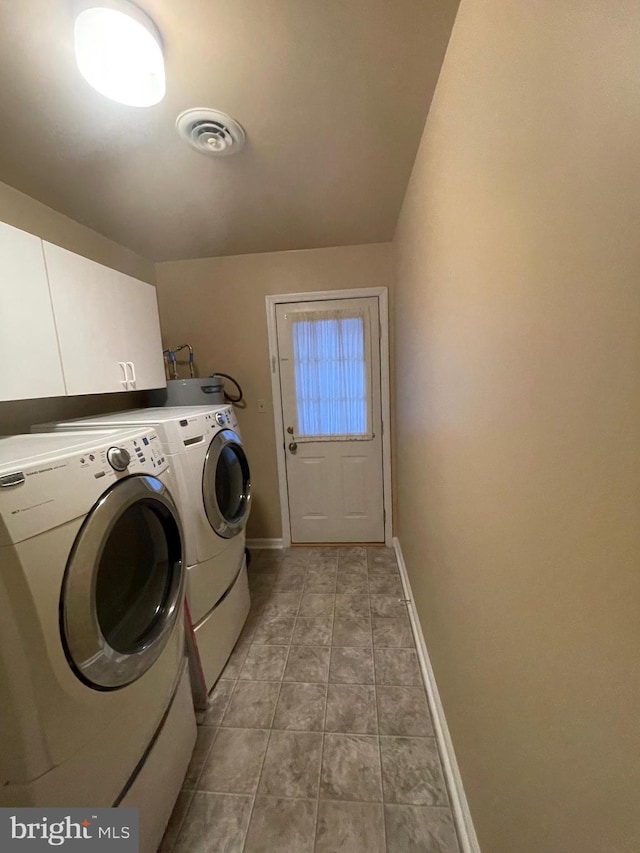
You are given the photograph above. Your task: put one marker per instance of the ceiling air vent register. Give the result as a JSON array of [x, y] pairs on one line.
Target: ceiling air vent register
[[211, 132]]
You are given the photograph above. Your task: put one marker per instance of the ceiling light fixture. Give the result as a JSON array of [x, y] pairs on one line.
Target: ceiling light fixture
[[118, 53]]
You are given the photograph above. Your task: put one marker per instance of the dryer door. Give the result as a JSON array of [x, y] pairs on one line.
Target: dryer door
[[124, 584], [226, 485]]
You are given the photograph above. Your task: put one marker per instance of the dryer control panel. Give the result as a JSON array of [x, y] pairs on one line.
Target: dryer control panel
[[224, 418], [198, 429]]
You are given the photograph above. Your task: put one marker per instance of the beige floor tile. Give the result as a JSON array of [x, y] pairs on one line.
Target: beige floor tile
[[345, 827], [351, 768], [381, 560], [351, 666], [392, 632], [388, 605], [353, 583], [262, 582], [296, 558], [322, 580], [292, 764], [252, 705], [352, 555], [411, 771], [323, 558], [282, 603], [289, 580], [420, 829], [281, 826], [351, 708], [355, 566], [317, 604], [234, 763], [352, 631], [214, 822], [397, 666], [352, 604], [301, 707], [385, 585], [308, 663], [323, 697], [403, 711], [274, 630], [264, 663], [313, 631]]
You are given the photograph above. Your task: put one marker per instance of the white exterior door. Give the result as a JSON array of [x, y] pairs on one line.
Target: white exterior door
[[329, 355]]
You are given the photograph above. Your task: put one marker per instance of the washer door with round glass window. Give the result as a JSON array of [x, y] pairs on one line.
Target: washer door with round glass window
[[124, 584], [226, 485]]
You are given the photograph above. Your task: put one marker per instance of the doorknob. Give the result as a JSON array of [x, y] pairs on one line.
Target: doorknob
[[293, 446]]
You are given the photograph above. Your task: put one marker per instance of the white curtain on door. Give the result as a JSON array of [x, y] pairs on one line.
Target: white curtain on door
[[331, 376]]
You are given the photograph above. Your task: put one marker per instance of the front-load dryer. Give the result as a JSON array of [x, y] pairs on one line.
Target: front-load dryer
[[92, 670], [214, 495]]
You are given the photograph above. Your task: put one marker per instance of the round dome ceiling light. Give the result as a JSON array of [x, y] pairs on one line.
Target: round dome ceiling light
[[211, 132], [118, 53]]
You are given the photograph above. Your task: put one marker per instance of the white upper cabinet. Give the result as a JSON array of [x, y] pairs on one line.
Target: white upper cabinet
[[86, 310], [29, 358], [142, 346], [107, 323]]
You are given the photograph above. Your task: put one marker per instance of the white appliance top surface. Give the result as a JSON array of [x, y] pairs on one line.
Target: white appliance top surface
[[22, 449], [156, 415]]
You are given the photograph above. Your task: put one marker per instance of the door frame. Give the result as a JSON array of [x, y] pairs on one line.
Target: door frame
[[272, 301]]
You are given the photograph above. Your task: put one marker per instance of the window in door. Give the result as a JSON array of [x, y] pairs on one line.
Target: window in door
[[331, 375]]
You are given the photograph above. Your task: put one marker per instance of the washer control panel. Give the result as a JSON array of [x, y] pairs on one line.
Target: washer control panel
[[53, 486], [143, 453], [118, 458]]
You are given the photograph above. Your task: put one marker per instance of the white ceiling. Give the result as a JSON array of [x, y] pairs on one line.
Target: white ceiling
[[333, 95]]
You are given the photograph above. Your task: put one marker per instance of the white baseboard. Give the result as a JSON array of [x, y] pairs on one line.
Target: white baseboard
[[267, 544], [459, 805]]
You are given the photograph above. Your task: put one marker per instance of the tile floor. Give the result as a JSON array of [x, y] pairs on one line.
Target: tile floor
[[318, 736]]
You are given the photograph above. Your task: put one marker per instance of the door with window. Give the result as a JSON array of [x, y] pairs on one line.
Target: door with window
[[329, 355]]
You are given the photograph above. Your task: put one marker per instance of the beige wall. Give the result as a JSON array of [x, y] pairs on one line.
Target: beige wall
[[517, 310], [218, 306], [23, 212]]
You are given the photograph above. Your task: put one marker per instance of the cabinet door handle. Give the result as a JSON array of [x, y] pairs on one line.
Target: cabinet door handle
[[132, 368], [124, 380]]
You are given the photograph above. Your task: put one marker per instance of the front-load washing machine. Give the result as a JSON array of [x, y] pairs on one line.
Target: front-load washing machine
[[214, 496], [96, 707]]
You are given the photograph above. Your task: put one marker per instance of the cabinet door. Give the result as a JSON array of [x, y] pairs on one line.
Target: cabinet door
[[89, 321], [142, 344], [29, 358]]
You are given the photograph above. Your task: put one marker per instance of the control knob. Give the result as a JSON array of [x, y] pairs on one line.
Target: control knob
[[118, 458], [220, 419]]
